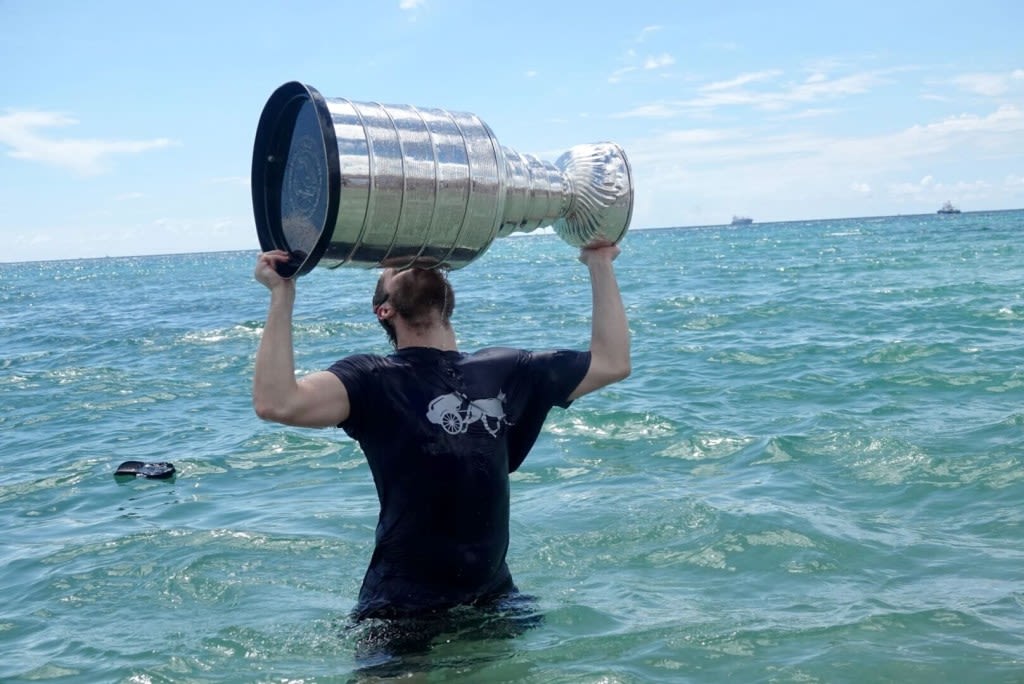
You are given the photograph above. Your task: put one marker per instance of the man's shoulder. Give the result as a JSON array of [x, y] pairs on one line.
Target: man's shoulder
[[528, 359], [515, 352], [360, 362], [498, 356], [496, 352]]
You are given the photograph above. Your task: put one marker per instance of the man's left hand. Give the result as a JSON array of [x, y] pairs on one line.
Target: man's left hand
[[599, 251]]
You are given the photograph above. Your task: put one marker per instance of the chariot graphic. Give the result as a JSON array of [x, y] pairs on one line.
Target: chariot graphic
[[455, 413]]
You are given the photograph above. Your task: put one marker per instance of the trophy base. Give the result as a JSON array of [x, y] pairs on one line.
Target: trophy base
[[602, 205]]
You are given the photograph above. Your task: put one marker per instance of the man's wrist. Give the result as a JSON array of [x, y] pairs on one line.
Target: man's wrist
[[283, 289], [598, 262]]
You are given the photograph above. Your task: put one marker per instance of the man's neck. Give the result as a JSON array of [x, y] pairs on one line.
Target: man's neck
[[442, 338]]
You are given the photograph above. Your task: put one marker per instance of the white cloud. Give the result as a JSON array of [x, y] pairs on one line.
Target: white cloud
[[410, 4], [647, 31], [619, 73], [1006, 119], [659, 62], [855, 84], [928, 189], [990, 84], [650, 63], [700, 136], [1001, 132], [22, 132], [735, 93], [936, 191], [725, 46], [726, 169], [741, 80], [812, 113], [982, 84], [657, 110], [631, 58]]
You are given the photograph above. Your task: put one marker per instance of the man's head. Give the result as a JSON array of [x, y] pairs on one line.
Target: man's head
[[422, 297]]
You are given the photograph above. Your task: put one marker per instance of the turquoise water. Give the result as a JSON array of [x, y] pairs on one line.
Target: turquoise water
[[815, 473]]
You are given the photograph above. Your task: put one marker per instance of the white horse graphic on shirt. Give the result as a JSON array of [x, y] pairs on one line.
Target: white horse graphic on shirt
[[455, 413]]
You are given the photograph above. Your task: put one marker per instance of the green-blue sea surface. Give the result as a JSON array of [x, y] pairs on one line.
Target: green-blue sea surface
[[814, 474]]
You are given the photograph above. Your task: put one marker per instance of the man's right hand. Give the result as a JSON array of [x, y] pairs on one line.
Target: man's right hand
[[266, 269]]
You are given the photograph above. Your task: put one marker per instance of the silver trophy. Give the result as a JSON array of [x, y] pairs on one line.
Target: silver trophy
[[340, 183]]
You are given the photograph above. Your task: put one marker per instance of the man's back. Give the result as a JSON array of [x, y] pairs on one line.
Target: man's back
[[441, 430], [441, 434]]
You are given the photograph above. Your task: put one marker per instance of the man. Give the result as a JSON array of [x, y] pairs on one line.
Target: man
[[441, 429]]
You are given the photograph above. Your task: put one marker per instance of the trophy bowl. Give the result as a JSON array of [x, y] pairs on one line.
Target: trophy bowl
[[342, 183]]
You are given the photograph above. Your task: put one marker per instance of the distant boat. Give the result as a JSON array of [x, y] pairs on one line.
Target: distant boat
[[742, 220], [948, 208]]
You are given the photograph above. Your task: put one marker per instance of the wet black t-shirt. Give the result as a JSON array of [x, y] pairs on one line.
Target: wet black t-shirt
[[441, 431]]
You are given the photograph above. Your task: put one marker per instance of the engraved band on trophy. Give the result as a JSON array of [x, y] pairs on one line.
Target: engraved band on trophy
[[341, 183]]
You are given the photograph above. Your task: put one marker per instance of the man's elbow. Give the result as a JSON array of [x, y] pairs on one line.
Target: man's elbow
[[614, 370], [611, 362], [621, 370], [269, 410]]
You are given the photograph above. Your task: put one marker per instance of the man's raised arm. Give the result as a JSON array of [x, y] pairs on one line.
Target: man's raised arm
[[609, 334], [319, 399]]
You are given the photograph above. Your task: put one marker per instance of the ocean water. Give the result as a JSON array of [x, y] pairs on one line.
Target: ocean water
[[814, 474]]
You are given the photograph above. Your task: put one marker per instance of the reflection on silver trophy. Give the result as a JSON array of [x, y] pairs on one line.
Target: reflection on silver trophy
[[341, 183]]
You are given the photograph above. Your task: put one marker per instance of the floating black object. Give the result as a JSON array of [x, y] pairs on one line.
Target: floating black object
[[158, 471]]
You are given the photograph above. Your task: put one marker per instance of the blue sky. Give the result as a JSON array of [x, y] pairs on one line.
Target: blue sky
[[126, 127]]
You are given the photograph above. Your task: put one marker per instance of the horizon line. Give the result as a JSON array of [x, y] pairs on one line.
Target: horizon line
[[536, 233]]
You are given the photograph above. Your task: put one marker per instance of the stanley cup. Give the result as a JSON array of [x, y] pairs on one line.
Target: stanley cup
[[341, 183]]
